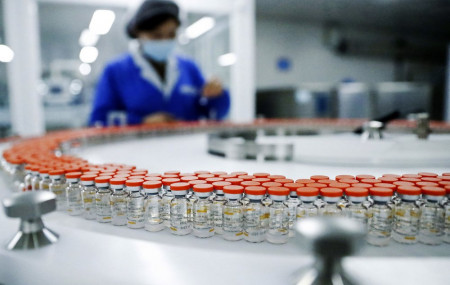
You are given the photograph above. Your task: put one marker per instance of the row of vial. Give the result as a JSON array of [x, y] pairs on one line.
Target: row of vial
[[252, 210]]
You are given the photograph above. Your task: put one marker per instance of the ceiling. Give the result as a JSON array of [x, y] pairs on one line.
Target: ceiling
[[416, 17]]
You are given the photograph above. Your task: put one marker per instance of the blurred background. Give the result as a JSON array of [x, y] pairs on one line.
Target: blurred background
[[280, 59]]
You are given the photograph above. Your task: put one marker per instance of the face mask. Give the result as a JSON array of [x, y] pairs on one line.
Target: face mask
[[158, 50]]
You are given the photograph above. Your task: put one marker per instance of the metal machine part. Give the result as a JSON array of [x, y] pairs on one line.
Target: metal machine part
[[331, 239], [372, 130], [423, 126], [29, 207]]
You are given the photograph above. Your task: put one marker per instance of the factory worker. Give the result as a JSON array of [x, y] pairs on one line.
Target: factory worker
[[150, 83]]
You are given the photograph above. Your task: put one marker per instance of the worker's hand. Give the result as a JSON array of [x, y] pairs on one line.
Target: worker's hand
[[212, 88], [159, 117]]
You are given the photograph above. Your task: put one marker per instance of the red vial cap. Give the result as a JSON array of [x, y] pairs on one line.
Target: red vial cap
[[172, 172], [381, 191], [218, 173], [425, 184], [443, 183], [274, 177], [234, 181], [118, 181], [70, 169], [348, 181], [102, 179], [188, 178], [261, 180], [278, 191], [72, 175], [153, 174], [220, 184], [326, 181], [56, 172], [136, 177], [271, 184], [250, 183], [339, 185], [360, 177], [319, 177], [233, 189], [391, 175], [385, 185], [446, 174], [331, 192], [316, 185], [284, 180], [261, 174], [180, 186], [152, 178], [408, 190], [246, 177], [226, 176], [362, 185], [387, 179], [203, 188], [357, 192], [371, 181], [428, 174], [204, 176], [431, 179], [403, 183], [411, 175], [187, 174], [293, 186], [213, 179], [237, 173], [169, 176], [88, 177], [344, 176], [444, 178], [410, 179], [308, 191], [195, 182], [433, 191], [169, 181], [304, 181], [134, 182], [152, 184], [255, 190]]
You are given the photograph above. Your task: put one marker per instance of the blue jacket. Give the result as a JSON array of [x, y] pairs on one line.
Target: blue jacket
[[131, 85]]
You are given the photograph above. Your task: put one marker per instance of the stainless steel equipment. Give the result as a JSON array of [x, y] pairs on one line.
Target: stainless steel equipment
[[29, 207], [331, 239]]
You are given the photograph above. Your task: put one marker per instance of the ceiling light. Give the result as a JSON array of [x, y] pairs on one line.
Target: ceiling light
[[227, 59], [200, 27], [102, 21], [85, 68], [6, 53], [88, 54], [87, 38]]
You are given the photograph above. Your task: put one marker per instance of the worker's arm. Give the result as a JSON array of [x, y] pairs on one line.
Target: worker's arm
[[106, 99]]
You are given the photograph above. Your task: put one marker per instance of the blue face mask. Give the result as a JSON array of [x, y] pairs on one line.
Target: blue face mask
[[158, 50]]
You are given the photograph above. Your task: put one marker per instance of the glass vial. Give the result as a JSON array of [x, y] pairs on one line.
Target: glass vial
[[135, 204], [356, 208], [88, 191], [153, 206], [256, 215], [73, 193], [203, 226], [330, 196], [102, 199], [307, 208], [407, 215], [278, 231], [217, 206], [179, 216], [59, 189], [118, 201], [292, 202], [166, 198], [431, 229], [380, 217], [233, 213], [44, 184]]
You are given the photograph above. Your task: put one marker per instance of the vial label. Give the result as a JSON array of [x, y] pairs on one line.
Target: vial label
[[153, 211], [306, 212], [278, 231], [119, 210], [75, 206], [217, 213], [406, 223], [166, 209], [331, 210], [255, 221], [103, 207], [135, 213], [233, 221], [203, 224], [61, 198], [379, 225], [88, 204], [431, 225], [179, 220]]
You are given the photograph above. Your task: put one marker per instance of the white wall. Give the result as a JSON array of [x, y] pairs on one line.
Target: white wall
[[312, 61]]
